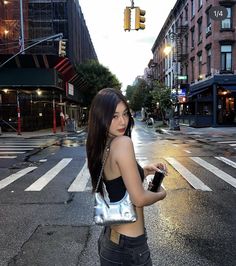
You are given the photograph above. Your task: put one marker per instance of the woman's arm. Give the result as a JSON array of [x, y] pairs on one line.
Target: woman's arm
[[123, 152]]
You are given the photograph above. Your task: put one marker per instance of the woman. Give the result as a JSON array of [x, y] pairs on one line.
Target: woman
[[110, 121]]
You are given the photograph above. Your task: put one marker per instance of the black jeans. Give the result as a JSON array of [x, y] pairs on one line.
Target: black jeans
[[130, 251]]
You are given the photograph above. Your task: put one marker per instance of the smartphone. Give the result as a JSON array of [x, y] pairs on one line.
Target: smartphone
[[157, 180]]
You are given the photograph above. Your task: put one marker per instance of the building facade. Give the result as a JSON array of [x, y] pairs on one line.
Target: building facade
[[39, 85], [201, 67]]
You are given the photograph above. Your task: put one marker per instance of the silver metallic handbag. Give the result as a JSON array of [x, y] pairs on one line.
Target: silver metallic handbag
[[108, 213]]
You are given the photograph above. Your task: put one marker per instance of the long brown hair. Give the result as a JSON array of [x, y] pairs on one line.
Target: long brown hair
[[100, 116]]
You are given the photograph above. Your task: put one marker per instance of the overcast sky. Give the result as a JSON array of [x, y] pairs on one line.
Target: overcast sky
[[126, 54]]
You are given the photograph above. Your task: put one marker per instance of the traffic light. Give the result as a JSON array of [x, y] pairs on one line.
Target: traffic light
[[139, 18], [62, 48], [127, 19]]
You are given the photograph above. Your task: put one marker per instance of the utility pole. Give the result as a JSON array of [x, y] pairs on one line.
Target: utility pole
[[22, 36]]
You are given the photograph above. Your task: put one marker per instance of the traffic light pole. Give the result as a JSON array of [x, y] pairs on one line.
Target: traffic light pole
[[59, 35], [174, 123]]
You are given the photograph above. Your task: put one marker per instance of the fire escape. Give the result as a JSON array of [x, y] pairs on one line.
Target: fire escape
[[182, 48]]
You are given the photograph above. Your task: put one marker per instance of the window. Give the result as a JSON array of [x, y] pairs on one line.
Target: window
[[209, 61], [200, 66], [192, 7], [192, 68], [208, 19], [199, 3], [226, 57], [227, 23], [186, 13], [192, 37], [186, 44], [200, 30]]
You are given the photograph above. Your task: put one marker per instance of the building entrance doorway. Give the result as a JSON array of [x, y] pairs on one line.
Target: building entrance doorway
[[226, 107]]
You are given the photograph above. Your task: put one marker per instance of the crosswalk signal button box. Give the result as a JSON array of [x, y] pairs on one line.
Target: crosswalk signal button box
[[139, 18]]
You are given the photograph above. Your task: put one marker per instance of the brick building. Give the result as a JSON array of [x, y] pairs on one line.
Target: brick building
[[201, 66]]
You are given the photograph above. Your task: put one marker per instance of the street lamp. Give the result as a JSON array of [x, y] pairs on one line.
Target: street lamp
[[174, 121], [167, 49]]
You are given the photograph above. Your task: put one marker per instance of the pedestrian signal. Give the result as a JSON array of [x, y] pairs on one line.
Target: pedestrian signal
[[127, 19], [62, 48], [139, 18]]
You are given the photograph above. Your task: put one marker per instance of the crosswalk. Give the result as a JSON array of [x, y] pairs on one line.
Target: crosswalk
[[81, 179], [10, 149], [231, 143]]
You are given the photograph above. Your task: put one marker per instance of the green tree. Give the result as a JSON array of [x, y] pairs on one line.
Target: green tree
[[136, 94], [129, 92], [162, 96], [96, 77]]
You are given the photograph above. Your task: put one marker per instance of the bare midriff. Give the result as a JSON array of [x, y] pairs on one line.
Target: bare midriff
[[132, 229]]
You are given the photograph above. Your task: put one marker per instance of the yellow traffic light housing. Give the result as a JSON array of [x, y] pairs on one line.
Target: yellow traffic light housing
[[127, 19], [62, 48], [139, 18]]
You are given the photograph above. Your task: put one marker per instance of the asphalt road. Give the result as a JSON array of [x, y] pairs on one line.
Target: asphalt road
[[46, 213]]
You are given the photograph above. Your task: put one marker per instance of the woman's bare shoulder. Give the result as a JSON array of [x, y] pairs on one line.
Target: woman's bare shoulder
[[122, 141], [121, 147]]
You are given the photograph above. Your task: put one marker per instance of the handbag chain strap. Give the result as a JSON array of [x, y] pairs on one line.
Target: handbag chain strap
[[107, 149]]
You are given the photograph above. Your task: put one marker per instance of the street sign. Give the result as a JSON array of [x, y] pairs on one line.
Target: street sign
[[182, 77]]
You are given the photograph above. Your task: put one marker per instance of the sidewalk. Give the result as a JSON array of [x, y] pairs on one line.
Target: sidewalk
[[211, 131], [41, 133], [187, 130]]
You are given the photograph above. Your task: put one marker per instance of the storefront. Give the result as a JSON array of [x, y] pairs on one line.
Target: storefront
[[41, 97], [211, 102]]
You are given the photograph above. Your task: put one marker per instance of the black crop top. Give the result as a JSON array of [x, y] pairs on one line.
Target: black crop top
[[116, 187]]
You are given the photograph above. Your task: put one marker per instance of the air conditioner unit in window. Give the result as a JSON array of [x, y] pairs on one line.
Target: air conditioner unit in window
[[208, 29]]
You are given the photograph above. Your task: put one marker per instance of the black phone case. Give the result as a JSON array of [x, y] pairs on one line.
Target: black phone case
[[157, 180]]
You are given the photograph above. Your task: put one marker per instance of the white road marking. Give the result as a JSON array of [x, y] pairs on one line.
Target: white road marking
[[22, 143], [15, 149], [11, 152], [81, 180], [187, 151], [7, 157], [8, 180], [228, 141], [47, 177], [19, 146], [232, 144], [216, 171], [227, 161], [193, 180], [167, 132]]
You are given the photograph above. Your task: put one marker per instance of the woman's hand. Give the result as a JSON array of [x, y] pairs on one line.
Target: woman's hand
[[150, 169]]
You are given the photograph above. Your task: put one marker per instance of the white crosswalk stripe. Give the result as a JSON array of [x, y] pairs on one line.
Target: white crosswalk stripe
[[216, 171], [227, 161], [10, 149], [82, 182], [231, 143], [193, 180], [10, 179], [227, 141], [16, 149], [46, 178]]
